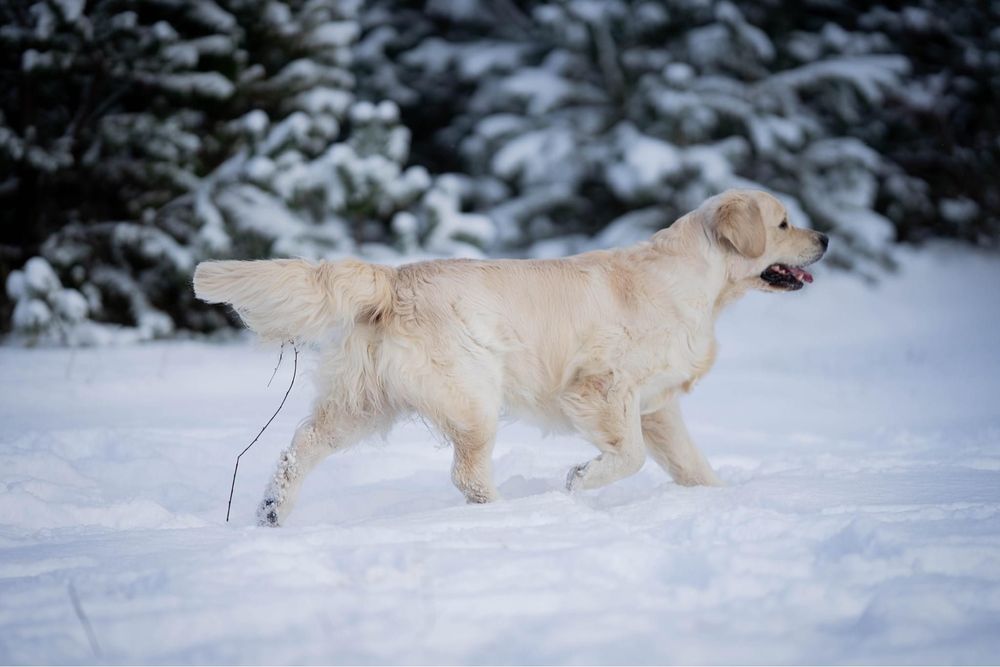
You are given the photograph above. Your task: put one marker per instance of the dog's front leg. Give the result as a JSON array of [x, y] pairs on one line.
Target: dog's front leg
[[472, 467], [472, 471], [670, 445]]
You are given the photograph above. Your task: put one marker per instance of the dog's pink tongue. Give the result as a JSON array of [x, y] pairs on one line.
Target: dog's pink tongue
[[801, 274]]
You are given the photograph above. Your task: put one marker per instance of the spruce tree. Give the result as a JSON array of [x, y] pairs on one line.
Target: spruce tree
[[224, 129]]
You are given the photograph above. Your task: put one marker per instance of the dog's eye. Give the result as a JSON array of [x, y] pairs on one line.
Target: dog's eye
[[783, 225]]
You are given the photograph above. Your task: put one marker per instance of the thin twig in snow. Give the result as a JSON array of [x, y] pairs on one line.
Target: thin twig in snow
[[78, 608], [295, 367], [281, 355]]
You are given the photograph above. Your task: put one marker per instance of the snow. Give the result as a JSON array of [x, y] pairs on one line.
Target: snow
[[322, 100], [959, 211], [255, 211], [70, 9], [454, 232], [332, 34], [541, 89], [647, 163], [70, 305], [856, 427], [536, 156], [207, 84], [869, 75], [31, 314], [40, 277], [210, 14]]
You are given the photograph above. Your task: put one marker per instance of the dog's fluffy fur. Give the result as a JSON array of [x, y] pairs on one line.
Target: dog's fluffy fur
[[602, 343]]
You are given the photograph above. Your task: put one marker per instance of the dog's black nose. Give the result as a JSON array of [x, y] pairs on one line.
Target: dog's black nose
[[825, 240]]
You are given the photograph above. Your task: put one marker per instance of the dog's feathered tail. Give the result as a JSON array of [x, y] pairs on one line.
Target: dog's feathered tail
[[293, 299]]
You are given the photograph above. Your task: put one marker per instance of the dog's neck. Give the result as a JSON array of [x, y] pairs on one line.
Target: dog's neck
[[688, 246], [730, 292]]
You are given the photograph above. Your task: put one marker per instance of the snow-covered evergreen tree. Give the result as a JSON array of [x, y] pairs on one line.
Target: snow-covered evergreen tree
[[575, 114], [579, 113], [228, 129], [103, 119], [140, 136]]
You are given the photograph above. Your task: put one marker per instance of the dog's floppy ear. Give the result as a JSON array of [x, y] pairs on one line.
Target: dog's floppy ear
[[739, 223]]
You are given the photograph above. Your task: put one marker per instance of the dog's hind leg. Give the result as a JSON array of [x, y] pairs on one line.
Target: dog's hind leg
[[464, 405], [670, 445], [609, 417], [472, 465], [316, 439]]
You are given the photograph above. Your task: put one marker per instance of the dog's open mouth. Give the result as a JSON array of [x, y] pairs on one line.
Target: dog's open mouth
[[786, 277]]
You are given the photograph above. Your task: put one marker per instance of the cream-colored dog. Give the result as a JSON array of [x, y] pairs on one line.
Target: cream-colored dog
[[602, 342]]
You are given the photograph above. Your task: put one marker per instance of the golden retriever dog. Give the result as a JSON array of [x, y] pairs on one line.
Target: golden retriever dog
[[601, 343]]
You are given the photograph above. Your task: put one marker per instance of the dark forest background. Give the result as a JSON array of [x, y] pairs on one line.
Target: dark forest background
[[140, 137]]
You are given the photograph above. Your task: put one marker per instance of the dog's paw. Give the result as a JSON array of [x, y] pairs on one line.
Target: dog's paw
[[481, 497], [267, 513], [574, 479]]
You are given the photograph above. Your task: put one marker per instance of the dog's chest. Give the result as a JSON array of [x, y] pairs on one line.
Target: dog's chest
[[678, 368], [702, 365]]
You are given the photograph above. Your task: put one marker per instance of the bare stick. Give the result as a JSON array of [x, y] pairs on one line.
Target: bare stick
[[232, 487], [78, 608], [281, 355]]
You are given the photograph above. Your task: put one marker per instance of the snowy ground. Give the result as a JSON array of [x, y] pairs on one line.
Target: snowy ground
[[858, 430]]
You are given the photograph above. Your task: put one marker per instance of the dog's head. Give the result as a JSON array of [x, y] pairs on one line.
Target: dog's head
[[762, 249]]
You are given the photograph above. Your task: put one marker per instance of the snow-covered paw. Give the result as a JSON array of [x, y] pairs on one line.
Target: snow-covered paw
[[480, 496], [267, 513], [576, 476]]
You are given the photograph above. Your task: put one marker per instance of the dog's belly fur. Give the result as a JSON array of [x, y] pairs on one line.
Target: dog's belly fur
[[526, 379]]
